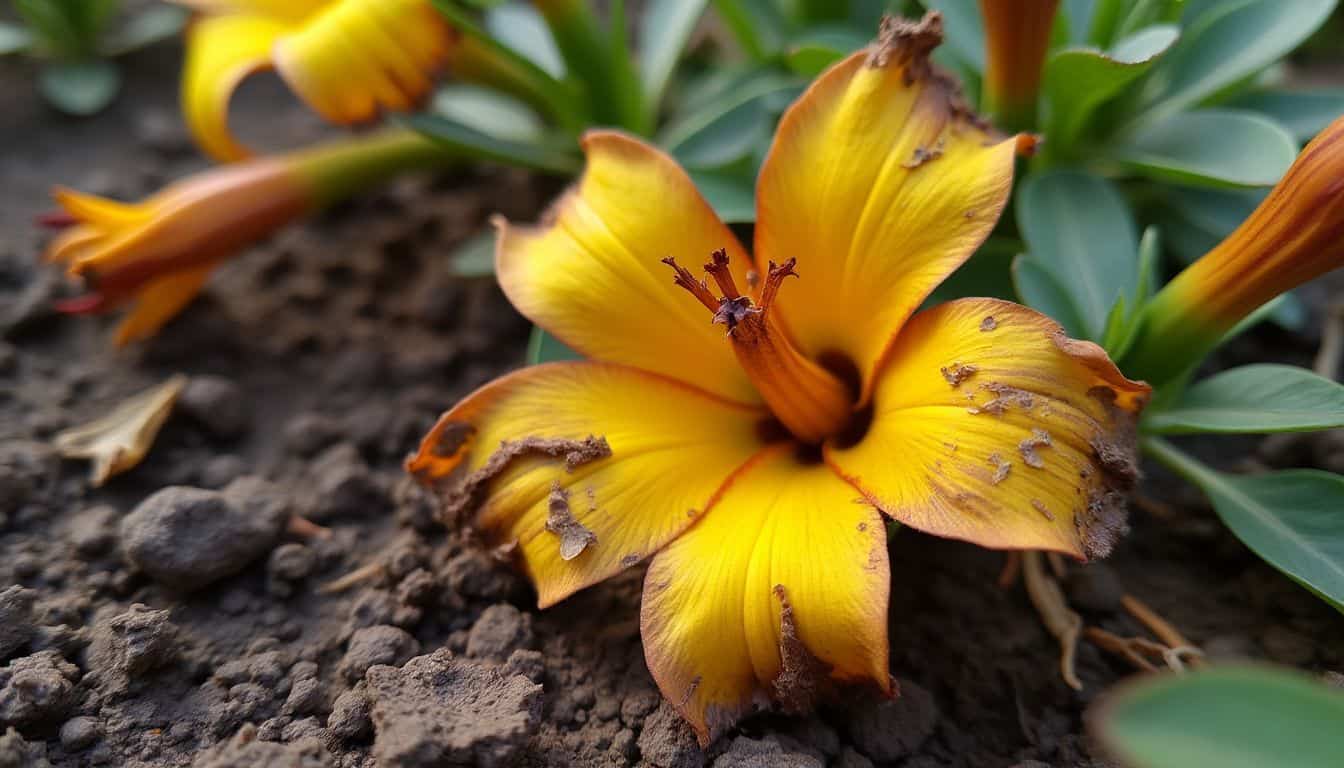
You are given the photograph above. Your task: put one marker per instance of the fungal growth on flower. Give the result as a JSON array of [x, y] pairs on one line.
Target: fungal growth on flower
[[748, 432], [347, 59]]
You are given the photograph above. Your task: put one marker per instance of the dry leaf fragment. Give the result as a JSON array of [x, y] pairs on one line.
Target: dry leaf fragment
[[119, 440]]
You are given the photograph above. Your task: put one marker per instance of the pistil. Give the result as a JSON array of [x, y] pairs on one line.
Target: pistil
[[810, 401]]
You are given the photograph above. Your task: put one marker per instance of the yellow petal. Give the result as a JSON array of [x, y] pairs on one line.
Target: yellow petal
[[118, 441], [990, 425], [99, 211], [221, 51], [159, 302], [671, 447], [357, 57], [714, 635], [881, 185], [592, 274], [285, 10]]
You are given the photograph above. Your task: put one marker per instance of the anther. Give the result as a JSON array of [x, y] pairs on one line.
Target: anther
[[718, 269], [698, 289]]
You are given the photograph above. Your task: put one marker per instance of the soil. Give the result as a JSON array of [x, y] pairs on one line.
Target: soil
[[150, 624]]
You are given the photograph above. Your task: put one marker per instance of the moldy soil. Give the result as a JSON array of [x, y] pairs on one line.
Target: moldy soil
[[315, 362]]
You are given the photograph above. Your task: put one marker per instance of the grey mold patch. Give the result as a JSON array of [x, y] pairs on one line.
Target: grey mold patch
[[801, 674], [1039, 439], [1001, 468], [956, 373], [988, 324], [575, 453], [574, 537]]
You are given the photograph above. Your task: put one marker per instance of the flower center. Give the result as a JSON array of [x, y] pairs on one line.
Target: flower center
[[809, 400]]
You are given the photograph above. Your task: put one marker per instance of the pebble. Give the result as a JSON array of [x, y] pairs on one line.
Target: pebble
[[343, 486], [891, 729], [93, 531], [217, 404], [376, 645], [764, 753], [36, 689], [499, 631], [188, 538], [79, 733], [668, 742], [16, 617]]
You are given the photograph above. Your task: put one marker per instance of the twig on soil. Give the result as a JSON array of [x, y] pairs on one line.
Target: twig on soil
[[1331, 352], [1059, 619], [1134, 650], [306, 529], [360, 575], [1160, 627], [1012, 566]]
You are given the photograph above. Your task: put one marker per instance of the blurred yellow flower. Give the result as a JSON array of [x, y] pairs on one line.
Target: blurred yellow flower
[[755, 469], [347, 59]]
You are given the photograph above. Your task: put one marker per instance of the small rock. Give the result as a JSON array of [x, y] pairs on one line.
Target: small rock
[[500, 630], [128, 645], [17, 753], [474, 574], [1094, 587], [291, 562], [668, 742], [308, 433], [849, 758], [247, 750], [305, 697], [36, 689], [343, 486], [16, 617], [350, 718], [26, 469], [1287, 646], [219, 471], [79, 733], [188, 538], [889, 730], [93, 531], [217, 404], [418, 588], [529, 664], [376, 645], [438, 710], [764, 753]]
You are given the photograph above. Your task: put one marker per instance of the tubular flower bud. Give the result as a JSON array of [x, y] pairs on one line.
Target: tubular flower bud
[[1295, 235], [749, 430], [155, 255], [347, 59], [1017, 38]]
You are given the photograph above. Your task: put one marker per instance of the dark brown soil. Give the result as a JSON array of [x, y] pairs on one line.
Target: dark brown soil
[[315, 363]]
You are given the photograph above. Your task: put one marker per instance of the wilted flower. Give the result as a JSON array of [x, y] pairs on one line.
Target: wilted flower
[[755, 466], [157, 254], [348, 59], [1295, 235]]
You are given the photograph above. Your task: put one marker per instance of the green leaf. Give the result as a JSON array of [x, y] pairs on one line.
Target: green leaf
[[1150, 255], [1303, 113], [963, 30], [664, 29], [472, 143], [1253, 399], [80, 88], [1079, 230], [1079, 80], [1211, 147], [812, 59], [733, 198], [520, 27], [1227, 716], [1290, 519], [488, 111], [150, 26], [988, 273], [542, 347], [474, 257], [820, 47], [1229, 43], [1041, 291], [727, 126], [13, 38], [757, 25]]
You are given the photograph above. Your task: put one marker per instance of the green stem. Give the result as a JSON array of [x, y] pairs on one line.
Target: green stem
[[338, 169], [1177, 461]]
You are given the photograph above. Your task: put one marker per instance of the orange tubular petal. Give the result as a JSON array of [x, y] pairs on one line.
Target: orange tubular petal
[[593, 276], [357, 57], [159, 302], [713, 616], [991, 426], [881, 184], [636, 458]]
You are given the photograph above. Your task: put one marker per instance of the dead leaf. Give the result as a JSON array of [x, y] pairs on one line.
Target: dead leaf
[[119, 440]]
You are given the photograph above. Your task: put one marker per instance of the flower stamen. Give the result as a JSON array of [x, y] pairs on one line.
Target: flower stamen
[[809, 400]]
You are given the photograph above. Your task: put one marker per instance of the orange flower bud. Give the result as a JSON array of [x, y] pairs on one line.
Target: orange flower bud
[[1017, 37]]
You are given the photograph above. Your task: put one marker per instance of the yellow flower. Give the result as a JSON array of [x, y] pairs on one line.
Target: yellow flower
[[348, 59], [755, 467], [1296, 234], [1017, 38], [158, 253]]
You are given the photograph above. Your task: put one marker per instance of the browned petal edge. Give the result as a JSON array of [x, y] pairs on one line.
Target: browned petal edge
[[803, 678], [1115, 449], [908, 45]]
